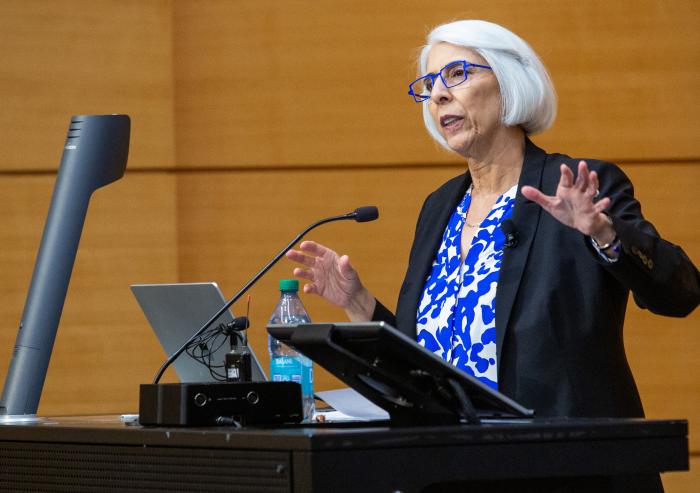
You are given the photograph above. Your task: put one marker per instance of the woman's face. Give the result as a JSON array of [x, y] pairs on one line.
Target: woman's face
[[468, 116]]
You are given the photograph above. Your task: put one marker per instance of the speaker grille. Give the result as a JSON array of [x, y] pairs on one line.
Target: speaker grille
[[81, 468]]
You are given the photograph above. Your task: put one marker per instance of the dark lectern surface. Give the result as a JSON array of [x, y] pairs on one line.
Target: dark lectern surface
[[100, 453]]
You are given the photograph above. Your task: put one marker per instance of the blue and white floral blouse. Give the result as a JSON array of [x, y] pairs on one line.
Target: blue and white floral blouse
[[456, 314]]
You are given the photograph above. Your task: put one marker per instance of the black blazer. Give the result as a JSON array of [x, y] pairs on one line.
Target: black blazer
[[560, 307]]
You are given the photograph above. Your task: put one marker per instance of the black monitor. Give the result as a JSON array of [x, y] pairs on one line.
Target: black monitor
[[413, 385]]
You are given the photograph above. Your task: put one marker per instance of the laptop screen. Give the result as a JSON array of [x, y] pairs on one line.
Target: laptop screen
[[175, 312]]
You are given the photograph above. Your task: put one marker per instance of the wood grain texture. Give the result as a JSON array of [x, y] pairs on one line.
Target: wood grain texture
[[104, 348], [289, 83], [84, 57]]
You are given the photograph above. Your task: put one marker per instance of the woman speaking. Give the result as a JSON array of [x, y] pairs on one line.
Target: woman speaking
[[521, 267]]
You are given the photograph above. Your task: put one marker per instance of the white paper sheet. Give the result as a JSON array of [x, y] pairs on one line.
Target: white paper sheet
[[350, 405]]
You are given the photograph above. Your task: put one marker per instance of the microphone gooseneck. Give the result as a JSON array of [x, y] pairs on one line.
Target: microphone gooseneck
[[361, 215]]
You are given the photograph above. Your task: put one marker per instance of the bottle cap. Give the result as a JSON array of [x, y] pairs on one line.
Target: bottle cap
[[289, 285]]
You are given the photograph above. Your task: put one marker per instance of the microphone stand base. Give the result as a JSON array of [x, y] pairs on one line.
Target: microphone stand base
[[21, 419]]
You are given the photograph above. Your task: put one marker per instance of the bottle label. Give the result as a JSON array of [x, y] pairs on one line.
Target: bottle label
[[285, 369], [293, 369], [307, 383]]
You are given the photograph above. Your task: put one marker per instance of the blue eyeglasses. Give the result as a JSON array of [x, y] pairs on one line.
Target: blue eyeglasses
[[452, 74]]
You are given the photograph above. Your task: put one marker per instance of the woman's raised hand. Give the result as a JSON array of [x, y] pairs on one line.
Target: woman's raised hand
[[575, 203], [333, 278]]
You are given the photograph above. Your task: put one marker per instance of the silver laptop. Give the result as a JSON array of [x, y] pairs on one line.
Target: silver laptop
[[176, 312]]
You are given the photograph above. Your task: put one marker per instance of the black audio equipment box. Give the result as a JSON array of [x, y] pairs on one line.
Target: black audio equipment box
[[220, 404]]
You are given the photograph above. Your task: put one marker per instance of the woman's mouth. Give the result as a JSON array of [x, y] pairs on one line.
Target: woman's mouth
[[451, 123]]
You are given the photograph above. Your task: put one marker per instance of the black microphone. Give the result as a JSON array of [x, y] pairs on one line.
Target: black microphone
[[510, 232], [361, 215], [366, 214]]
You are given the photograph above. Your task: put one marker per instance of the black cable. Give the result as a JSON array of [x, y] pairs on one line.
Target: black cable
[[203, 348]]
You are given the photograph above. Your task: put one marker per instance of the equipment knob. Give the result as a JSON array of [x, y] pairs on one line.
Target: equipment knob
[[252, 397], [200, 400]]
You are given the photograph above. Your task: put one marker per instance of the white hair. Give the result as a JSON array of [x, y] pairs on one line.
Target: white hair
[[528, 98]]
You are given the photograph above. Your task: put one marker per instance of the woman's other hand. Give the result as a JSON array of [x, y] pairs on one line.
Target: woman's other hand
[[574, 203], [333, 278]]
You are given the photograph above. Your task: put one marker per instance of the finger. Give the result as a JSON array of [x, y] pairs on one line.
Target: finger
[[313, 248], [594, 180], [582, 176], [301, 258], [304, 274], [345, 268], [544, 201], [310, 289], [592, 189], [602, 204], [566, 179]]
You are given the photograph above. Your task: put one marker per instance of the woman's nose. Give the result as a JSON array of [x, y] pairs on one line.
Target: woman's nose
[[440, 93]]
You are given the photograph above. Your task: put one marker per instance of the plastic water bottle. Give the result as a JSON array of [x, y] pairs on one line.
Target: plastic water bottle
[[286, 364]]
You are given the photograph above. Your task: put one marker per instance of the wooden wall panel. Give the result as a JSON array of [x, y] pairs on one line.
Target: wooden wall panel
[[84, 57], [104, 348], [290, 83]]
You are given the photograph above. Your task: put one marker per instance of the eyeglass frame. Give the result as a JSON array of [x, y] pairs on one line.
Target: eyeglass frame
[[434, 76]]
